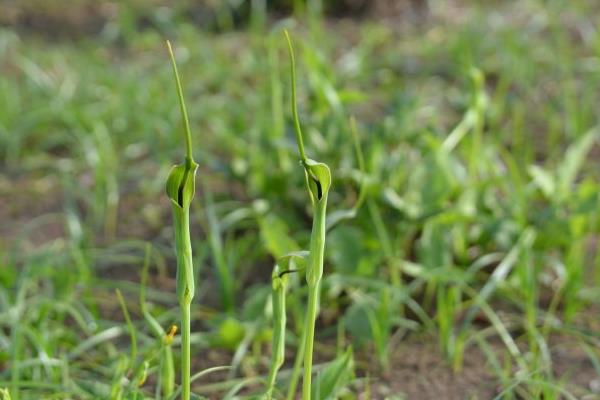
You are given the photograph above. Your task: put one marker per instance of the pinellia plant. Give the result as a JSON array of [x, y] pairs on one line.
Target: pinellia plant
[[278, 287], [290, 263], [180, 188], [318, 181]]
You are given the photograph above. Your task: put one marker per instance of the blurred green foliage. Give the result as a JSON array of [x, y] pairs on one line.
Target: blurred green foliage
[[480, 218]]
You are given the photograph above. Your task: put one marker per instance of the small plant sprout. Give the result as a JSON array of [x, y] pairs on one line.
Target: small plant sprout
[[180, 189], [278, 287], [318, 181], [290, 263], [166, 371]]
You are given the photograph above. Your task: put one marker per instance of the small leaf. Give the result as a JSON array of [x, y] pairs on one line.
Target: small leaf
[[338, 216], [293, 260]]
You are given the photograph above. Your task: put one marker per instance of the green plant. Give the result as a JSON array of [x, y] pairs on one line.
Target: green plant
[[166, 375], [279, 283], [180, 188], [4, 394], [318, 182], [283, 267]]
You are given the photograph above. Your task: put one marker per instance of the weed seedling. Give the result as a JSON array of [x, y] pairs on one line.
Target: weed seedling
[[318, 181], [180, 189], [278, 287], [290, 263], [166, 375]]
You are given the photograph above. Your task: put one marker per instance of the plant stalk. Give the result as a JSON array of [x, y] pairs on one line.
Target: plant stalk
[[185, 293], [318, 182], [180, 189], [185, 351], [314, 273], [297, 368], [311, 317]]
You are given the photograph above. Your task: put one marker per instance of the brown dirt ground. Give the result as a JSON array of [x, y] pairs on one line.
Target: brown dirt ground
[[419, 371], [27, 205]]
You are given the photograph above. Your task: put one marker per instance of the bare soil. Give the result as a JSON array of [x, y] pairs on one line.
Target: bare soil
[[419, 371]]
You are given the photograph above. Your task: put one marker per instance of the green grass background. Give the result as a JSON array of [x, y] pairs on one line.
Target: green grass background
[[478, 228]]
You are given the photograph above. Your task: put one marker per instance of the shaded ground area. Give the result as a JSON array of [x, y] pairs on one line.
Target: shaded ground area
[[86, 17], [30, 211]]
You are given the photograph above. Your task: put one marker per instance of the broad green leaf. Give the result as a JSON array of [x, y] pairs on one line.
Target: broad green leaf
[[338, 216], [275, 235], [356, 323], [347, 251]]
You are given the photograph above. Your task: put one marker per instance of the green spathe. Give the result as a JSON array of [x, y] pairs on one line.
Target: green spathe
[[181, 184], [318, 180], [180, 188]]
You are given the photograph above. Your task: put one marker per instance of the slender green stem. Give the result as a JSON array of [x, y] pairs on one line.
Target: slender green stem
[[297, 128], [278, 288], [186, 122], [314, 273], [185, 292], [167, 372], [130, 328], [293, 384], [311, 317], [15, 364], [185, 350]]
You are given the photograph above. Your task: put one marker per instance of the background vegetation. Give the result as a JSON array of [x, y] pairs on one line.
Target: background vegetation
[[462, 256]]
